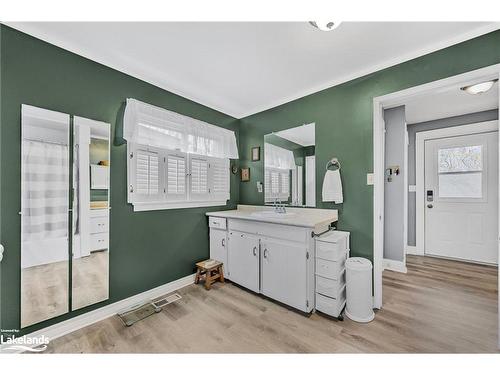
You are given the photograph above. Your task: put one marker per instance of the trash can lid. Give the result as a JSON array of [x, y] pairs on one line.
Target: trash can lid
[[358, 263]]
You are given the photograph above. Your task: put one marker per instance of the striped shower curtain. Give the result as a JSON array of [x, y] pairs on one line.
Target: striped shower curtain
[[45, 190]]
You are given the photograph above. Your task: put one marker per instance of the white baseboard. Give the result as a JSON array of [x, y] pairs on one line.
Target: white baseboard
[[394, 265], [63, 328], [413, 250]]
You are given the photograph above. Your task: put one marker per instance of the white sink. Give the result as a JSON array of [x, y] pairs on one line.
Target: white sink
[[273, 214]]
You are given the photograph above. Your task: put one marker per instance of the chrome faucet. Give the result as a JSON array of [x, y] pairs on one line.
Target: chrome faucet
[[279, 207]]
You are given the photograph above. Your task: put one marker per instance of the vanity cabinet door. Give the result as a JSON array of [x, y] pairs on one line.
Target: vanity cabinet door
[[284, 272], [243, 259], [218, 247]]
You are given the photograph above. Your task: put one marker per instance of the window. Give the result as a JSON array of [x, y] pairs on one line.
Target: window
[[460, 172], [276, 184], [175, 161]]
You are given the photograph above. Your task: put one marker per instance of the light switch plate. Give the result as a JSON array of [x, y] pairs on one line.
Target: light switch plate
[[259, 186], [369, 178]]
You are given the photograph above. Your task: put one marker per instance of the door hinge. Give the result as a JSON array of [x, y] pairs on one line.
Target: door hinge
[[307, 254], [307, 303]]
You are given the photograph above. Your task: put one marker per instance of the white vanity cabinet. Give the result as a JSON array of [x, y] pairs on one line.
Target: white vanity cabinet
[[273, 254], [273, 260]]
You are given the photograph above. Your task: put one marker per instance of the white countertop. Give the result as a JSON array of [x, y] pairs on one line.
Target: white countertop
[[303, 217]]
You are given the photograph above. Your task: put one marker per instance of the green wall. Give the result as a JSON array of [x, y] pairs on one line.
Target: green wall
[[147, 249], [343, 118]]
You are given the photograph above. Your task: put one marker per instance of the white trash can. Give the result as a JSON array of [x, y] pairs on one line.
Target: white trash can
[[359, 305]]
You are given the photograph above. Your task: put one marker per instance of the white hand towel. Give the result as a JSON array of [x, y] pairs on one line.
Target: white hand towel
[[332, 187]]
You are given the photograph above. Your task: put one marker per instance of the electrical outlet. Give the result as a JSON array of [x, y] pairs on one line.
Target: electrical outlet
[[369, 178]]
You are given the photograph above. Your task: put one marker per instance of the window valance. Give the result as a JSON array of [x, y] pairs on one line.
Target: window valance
[[153, 126], [278, 157]]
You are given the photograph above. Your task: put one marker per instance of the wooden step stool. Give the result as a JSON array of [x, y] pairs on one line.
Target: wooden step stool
[[213, 272]]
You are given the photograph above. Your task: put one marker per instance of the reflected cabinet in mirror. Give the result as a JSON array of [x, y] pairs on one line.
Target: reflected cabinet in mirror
[[290, 167], [59, 229]]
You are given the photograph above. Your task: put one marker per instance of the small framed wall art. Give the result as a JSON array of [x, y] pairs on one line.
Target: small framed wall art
[[245, 174]]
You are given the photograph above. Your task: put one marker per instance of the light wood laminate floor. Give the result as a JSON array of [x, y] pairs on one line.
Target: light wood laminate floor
[[438, 306], [44, 288]]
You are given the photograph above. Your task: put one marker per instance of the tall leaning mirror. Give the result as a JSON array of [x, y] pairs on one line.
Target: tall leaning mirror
[[90, 219], [45, 145], [290, 167]]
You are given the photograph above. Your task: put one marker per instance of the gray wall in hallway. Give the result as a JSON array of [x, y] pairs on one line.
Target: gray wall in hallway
[[413, 129], [394, 192]]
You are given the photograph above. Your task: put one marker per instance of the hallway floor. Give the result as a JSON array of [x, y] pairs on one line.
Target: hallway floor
[[438, 306]]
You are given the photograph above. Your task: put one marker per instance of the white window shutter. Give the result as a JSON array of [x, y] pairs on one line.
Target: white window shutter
[[146, 182], [176, 174], [285, 184], [199, 189], [219, 179]]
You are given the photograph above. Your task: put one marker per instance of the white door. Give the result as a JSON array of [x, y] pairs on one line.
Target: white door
[[283, 275], [218, 246], [243, 259], [310, 181], [461, 197]]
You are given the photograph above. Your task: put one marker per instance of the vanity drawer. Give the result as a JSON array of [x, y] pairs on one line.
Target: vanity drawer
[[98, 224], [217, 222], [330, 251], [330, 288], [332, 245], [330, 269], [98, 241], [330, 306]]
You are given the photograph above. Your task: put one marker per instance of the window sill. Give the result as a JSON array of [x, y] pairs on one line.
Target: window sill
[[154, 206]]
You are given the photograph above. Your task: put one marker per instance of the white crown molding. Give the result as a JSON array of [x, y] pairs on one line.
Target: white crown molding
[[63, 328], [143, 75]]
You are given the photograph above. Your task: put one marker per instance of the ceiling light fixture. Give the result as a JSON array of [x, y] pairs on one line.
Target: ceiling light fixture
[[325, 25], [479, 88]]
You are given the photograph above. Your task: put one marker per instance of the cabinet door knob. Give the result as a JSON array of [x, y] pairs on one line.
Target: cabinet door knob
[[255, 250], [223, 242], [265, 253]]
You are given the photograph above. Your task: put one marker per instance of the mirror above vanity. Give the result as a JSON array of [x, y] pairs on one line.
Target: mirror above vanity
[[290, 167]]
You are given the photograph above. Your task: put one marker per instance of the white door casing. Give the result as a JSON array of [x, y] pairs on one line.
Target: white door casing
[[243, 259], [461, 193]]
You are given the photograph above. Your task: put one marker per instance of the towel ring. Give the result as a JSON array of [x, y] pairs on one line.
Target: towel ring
[[334, 162]]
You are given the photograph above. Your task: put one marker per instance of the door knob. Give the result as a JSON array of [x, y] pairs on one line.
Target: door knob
[[430, 206]]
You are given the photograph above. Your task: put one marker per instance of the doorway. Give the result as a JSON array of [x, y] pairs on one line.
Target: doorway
[[393, 100]]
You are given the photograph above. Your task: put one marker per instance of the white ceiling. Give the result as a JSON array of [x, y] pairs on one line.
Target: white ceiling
[[448, 103], [303, 135], [243, 68]]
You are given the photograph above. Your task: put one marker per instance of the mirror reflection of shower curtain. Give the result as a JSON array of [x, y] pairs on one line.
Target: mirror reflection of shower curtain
[[45, 201]]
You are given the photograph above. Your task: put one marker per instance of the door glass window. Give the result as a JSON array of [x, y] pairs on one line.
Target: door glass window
[[460, 172]]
